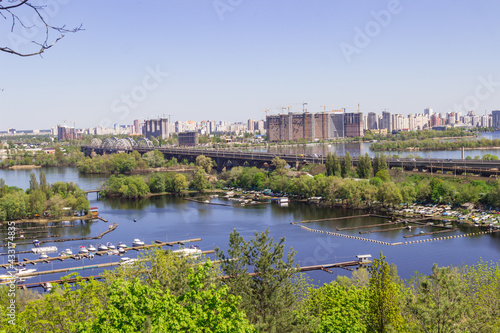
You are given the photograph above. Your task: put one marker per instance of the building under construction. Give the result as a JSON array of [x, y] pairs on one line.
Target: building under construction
[[312, 126]]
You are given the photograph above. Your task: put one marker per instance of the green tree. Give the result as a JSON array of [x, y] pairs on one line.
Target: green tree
[[339, 308], [438, 302], [384, 312], [204, 162], [180, 182], [279, 165], [379, 163], [154, 158], [329, 164], [346, 165], [337, 165], [269, 296], [200, 181], [364, 166], [33, 182]]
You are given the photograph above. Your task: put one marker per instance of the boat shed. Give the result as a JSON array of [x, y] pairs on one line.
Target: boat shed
[[364, 258]]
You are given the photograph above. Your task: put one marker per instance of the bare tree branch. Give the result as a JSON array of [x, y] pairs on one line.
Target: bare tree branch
[[15, 10]]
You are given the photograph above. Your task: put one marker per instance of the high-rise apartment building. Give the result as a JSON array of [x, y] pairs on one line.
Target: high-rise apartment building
[[495, 119], [156, 127], [372, 121]]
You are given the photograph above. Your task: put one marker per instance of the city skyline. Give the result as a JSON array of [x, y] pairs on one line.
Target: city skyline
[[235, 61]]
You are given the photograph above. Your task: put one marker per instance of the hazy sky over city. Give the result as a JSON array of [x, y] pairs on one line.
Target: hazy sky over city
[[231, 59]]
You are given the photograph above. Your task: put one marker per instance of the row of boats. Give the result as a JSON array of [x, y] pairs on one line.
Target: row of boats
[[90, 249]]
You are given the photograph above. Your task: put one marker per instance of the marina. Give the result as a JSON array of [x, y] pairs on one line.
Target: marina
[[166, 218]]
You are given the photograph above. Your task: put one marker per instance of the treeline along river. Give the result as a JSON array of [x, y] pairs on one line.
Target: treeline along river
[[169, 218], [360, 148]]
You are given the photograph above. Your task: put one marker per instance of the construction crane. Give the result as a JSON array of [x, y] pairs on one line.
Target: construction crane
[[304, 107]]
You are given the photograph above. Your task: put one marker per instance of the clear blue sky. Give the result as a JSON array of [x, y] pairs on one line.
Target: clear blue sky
[[233, 62]]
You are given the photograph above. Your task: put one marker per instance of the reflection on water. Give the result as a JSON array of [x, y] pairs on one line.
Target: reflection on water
[[169, 218], [360, 148]]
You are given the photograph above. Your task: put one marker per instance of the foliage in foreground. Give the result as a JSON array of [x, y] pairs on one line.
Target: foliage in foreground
[[163, 292]]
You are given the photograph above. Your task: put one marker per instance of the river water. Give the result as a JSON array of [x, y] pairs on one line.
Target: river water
[[360, 148], [168, 218]]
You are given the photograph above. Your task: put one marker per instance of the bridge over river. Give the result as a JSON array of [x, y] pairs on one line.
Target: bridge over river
[[227, 159]]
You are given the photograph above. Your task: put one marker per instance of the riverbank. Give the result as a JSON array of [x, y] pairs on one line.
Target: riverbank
[[21, 167], [41, 220]]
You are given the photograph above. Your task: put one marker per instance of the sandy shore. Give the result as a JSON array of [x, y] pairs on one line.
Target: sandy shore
[[25, 167]]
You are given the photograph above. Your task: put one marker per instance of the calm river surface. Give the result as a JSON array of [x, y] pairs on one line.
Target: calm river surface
[[170, 218], [360, 148]]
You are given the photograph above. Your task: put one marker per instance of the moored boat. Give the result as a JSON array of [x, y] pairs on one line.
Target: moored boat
[[137, 242], [121, 245], [43, 256], [25, 271], [91, 248], [110, 246], [83, 250], [190, 251], [102, 247]]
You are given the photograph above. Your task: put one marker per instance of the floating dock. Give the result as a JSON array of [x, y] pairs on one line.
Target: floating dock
[[111, 228]]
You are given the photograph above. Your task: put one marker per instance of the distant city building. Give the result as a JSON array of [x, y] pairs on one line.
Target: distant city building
[[188, 138], [386, 121], [251, 125], [428, 112], [372, 121], [495, 119], [137, 126], [65, 133], [353, 125], [157, 128], [308, 126]]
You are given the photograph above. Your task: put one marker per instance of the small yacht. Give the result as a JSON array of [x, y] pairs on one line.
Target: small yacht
[[127, 261], [25, 271], [190, 251], [121, 245], [110, 246], [43, 256], [68, 252], [137, 242], [7, 278], [102, 247], [83, 250], [121, 250], [91, 248]]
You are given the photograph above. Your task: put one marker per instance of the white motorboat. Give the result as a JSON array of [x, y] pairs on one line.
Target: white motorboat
[[91, 248], [102, 247], [137, 242], [121, 245], [43, 256], [7, 278], [66, 252], [110, 246], [113, 252], [83, 250], [25, 271], [121, 250], [190, 251], [127, 261]]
